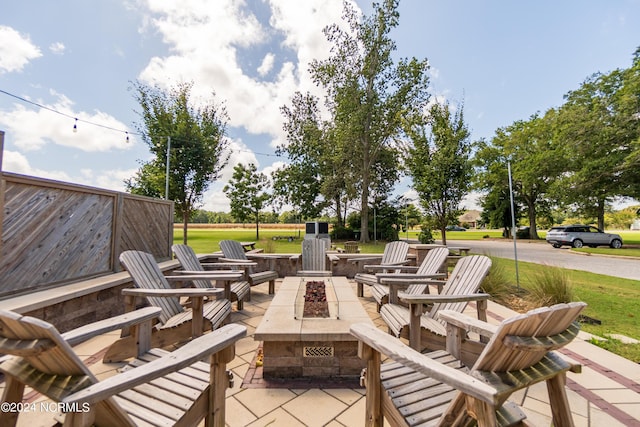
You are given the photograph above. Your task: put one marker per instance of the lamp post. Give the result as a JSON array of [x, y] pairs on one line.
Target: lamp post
[[513, 224], [166, 183]]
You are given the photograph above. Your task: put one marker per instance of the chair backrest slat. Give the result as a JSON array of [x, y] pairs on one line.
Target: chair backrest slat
[[146, 274], [232, 250], [189, 261], [542, 322], [431, 264], [314, 255], [395, 252], [58, 359], [465, 279]]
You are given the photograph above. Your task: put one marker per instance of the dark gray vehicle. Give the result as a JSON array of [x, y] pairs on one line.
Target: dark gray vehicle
[[578, 235]]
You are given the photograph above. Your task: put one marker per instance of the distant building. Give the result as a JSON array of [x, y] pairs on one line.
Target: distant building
[[636, 225], [471, 218]]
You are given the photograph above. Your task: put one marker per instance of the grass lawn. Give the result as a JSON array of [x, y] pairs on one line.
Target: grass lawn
[[613, 301]]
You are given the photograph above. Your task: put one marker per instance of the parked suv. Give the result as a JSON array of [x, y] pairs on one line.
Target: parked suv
[[579, 235]]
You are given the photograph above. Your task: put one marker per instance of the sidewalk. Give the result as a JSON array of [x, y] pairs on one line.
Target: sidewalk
[[606, 393]]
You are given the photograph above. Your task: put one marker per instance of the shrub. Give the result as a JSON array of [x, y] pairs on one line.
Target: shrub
[[497, 282], [551, 285], [426, 236]]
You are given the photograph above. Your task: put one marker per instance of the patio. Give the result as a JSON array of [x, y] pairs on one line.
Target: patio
[[607, 392]]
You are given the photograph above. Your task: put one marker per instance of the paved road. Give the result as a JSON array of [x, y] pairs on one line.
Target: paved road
[[543, 253]]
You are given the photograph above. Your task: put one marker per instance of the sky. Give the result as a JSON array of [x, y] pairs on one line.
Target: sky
[[60, 61]]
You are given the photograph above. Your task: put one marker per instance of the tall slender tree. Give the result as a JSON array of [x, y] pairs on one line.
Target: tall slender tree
[[368, 94], [194, 137], [439, 163], [248, 192]]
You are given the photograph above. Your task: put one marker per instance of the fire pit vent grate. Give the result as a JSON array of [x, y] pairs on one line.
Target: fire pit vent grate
[[315, 351]]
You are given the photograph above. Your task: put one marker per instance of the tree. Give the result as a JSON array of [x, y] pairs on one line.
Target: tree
[[599, 130], [247, 190], [196, 136], [305, 179], [537, 160], [439, 164], [368, 95]]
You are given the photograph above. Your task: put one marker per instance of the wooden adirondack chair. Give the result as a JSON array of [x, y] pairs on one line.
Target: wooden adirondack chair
[[234, 253], [425, 330], [410, 277], [176, 323], [315, 259], [158, 388], [394, 255], [436, 389], [238, 290]]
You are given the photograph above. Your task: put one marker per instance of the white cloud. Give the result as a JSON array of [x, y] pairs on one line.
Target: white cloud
[[57, 48], [29, 126], [267, 64], [16, 50], [206, 44], [17, 163]]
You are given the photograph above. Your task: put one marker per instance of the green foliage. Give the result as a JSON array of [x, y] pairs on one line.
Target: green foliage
[[551, 285], [368, 96], [247, 190], [497, 283], [194, 137], [425, 236], [439, 163]]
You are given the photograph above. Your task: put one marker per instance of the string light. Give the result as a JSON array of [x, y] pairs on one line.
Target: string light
[[127, 133]]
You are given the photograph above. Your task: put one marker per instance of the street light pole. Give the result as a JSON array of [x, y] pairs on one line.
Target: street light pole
[[166, 183], [513, 224]]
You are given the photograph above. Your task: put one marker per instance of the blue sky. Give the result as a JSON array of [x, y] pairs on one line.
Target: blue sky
[[505, 59]]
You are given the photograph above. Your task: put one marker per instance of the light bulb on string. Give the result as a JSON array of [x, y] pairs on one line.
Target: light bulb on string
[[127, 139], [75, 126]]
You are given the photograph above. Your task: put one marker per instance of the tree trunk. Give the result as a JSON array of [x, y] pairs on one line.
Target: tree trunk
[[185, 226], [600, 214], [257, 226], [533, 229], [443, 232]]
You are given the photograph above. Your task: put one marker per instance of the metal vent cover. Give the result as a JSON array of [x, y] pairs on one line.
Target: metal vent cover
[[318, 351]]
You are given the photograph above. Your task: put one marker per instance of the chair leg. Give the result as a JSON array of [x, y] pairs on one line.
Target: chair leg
[[560, 409], [360, 289], [13, 392]]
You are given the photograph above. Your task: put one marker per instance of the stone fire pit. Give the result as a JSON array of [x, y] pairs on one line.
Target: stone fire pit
[[296, 345]]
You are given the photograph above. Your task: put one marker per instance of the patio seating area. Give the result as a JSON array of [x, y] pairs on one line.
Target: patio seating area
[[607, 392]]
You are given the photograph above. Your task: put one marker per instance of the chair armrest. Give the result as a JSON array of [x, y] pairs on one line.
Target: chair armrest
[[368, 259], [229, 262], [182, 292], [215, 266], [393, 348], [83, 333], [186, 355], [409, 279], [210, 275], [432, 299], [395, 265], [467, 323]]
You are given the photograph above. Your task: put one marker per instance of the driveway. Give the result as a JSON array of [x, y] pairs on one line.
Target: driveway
[[543, 253]]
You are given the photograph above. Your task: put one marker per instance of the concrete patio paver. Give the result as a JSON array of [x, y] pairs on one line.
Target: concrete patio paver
[[606, 393]]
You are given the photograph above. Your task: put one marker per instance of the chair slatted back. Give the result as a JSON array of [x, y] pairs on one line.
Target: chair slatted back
[[394, 252], [431, 264], [542, 322], [314, 256], [189, 261], [146, 274], [40, 346], [232, 250], [465, 279]]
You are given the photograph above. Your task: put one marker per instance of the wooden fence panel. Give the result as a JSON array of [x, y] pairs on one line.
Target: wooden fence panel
[[55, 233]]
